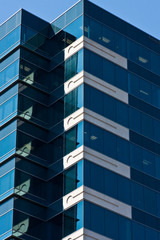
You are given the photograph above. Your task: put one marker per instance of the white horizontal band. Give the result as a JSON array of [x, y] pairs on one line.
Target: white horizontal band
[[84, 42], [97, 158], [96, 119], [104, 201], [85, 234], [84, 77]]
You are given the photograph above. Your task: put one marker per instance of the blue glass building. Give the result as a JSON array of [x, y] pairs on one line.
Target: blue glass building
[[79, 128]]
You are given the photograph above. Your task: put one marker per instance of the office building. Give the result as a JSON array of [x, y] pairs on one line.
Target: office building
[[79, 128]]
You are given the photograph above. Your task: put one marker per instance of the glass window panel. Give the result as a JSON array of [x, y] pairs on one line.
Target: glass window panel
[[10, 24], [110, 145], [124, 190], [95, 31], [9, 41], [110, 184], [97, 213], [8, 108], [97, 177], [134, 85], [134, 120], [120, 44], [123, 153], [73, 177], [148, 163], [7, 182], [7, 144], [147, 126], [74, 65], [150, 203], [138, 231], [107, 40], [124, 229], [74, 138], [108, 72], [73, 101], [136, 157], [156, 96], [155, 63], [9, 73], [6, 222], [110, 107], [145, 91], [151, 234], [121, 78], [73, 219], [6, 167], [111, 223], [137, 196], [122, 114], [74, 30]]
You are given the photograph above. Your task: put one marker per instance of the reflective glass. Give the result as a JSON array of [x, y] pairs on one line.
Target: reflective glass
[[6, 222], [67, 17], [10, 41], [102, 221], [10, 24], [73, 219], [73, 178], [8, 109], [121, 149], [74, 65], [74, 138], [74, 100], [7, 182]]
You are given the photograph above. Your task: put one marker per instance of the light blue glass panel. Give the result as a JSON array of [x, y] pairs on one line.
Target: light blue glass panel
[[6, 167], [79, 222], [67, 17], [9, 70], [6, 235], [7, 144], [10, 24], [6, 222], [10, 41], [7, 182], [75, 28], [8, 108], [6, 206], [8, 139], [9, 60]]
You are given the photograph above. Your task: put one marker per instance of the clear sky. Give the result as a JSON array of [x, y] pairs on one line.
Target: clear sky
[[143, 14]]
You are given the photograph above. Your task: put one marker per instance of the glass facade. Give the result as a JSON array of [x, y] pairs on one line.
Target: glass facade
[[75, 123]]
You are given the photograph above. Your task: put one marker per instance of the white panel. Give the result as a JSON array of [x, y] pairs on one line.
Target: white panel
[[84, 77], [85, 234], [74, 119], [74, 82], [96, 119], [97, 158], [74, 47], [85, 193], [96, 48]]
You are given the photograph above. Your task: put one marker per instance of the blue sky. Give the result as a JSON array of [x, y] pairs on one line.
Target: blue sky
[[143, 14]]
